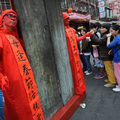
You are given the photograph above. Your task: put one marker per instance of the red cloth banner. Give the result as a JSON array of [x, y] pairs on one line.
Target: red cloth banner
[[77, 72], [27, 78]]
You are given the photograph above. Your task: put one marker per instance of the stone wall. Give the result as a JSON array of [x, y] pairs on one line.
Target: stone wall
[[43, 33]]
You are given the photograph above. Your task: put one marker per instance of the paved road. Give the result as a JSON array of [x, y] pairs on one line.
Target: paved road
[[101, 102]]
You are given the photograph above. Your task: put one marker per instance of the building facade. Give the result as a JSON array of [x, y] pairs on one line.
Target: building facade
[[105, 12], [115, 5], [82, 6], [4, 4]]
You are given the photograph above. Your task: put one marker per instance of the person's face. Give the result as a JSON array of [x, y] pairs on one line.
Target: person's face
[[114, 32], [103, 30], [66, 22], [10, 20], [83, 32], [94, 29]]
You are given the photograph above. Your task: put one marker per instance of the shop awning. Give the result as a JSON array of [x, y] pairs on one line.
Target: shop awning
[[78, 17], [101, 22]]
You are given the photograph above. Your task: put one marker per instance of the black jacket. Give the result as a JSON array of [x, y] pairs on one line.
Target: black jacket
[[86, 46], [103, 50]]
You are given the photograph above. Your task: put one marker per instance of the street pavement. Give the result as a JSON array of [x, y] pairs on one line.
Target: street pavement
[[101, 102]]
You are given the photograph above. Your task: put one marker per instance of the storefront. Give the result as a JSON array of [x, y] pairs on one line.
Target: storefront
[[78, 20]]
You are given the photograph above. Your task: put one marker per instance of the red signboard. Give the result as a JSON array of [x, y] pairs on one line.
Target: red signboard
[[111, 5]]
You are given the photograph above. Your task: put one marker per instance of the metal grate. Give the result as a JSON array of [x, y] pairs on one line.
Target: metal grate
[[4, 4]]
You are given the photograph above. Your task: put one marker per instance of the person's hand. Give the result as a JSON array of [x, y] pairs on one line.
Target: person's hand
[[4, 82], [109, 52], [94, 46], [88, 39], [108, 35], [92, 32]]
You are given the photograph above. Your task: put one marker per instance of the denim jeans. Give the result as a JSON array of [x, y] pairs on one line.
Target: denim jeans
[[88, 64], [83, 62]]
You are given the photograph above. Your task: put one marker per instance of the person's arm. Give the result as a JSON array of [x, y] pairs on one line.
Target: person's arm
[[98, 40], [108, 41], [113, 43], [84, 36]]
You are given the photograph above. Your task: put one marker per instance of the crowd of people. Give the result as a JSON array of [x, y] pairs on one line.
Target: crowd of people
[[102, 43], [104, 46]]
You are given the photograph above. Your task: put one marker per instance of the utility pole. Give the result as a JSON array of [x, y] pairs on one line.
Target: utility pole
[[88, 6]]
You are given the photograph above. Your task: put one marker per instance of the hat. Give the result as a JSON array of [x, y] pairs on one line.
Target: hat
[[65, 16], [4, 13], [80, 27], [106, 25]]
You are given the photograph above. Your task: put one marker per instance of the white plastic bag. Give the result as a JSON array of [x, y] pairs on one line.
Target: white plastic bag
[[83, 105], [95, 53]]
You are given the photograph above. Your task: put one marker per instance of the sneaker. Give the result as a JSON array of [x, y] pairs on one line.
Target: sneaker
[[97, 76], [109, 85], [95, 65], [100, 76], [116, 89], [106, 80], [88, 73], [117, 86], [103, 75]]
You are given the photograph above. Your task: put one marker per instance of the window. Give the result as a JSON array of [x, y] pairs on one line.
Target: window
[[4, 4]]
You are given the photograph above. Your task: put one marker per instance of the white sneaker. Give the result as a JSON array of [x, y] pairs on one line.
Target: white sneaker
[[95, 65], [88, 73], [117, 86], [116, 89]]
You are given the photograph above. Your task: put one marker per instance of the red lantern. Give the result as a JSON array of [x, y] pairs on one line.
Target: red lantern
[[70, 10]]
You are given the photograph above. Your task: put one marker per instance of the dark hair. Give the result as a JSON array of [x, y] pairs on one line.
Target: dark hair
[[98, 24], [92, 25], [116, 27], [84, 29], [107, 26]]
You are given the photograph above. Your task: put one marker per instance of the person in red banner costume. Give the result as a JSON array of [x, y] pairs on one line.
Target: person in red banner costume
[[78, 79], [16, 77]]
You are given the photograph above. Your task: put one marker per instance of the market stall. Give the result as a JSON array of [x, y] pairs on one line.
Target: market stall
[[78, 20]]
